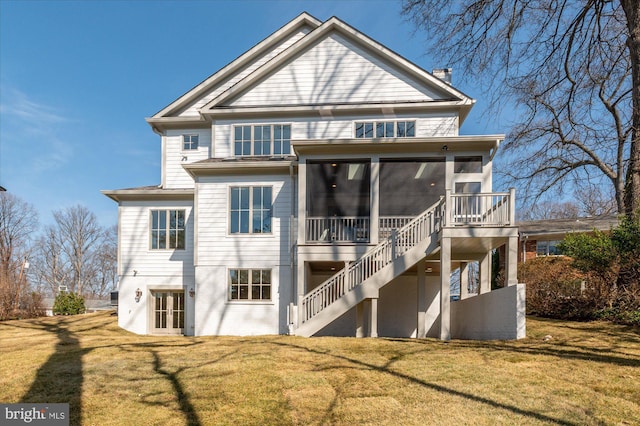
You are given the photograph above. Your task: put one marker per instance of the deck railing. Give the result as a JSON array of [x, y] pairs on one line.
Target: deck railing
[[389, 223], [338, 229], [493, 209], [481, 209]]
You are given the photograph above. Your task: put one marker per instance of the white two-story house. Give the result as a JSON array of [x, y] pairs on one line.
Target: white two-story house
[[318, 185]]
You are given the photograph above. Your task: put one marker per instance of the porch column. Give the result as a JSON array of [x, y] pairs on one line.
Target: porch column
[[421, 331], [373, 317], [374, 215], [464, 280], [511, 261], [302, 201], [360, 319], [445, 292], [485, 274]]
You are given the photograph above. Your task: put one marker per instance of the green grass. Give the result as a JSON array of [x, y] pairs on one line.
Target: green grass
[[588, 374]]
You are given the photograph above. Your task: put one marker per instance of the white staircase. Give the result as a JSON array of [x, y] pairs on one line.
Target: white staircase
[[363, 278]]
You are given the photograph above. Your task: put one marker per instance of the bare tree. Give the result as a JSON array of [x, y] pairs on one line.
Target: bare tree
[[79, 233], [51, 268], [18, 221], [546, 209], [105, 261], [573, 69], [593, 201]]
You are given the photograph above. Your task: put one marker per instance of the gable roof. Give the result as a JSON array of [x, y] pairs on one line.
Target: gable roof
[[222, 102], [304, 20]]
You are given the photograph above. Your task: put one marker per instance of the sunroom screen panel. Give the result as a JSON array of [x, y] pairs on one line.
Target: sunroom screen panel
[[408, 187], [338, 189]]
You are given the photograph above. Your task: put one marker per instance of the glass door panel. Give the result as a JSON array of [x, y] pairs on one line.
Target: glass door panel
[[168, 314], [178, 310]]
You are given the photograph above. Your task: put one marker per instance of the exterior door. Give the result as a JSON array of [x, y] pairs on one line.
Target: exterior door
[[168, 312]]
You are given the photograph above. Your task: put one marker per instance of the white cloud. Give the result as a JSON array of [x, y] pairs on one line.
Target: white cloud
[[31, 138], [18, 104]]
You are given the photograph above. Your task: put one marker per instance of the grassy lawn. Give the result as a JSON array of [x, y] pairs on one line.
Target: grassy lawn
[[589, 373]]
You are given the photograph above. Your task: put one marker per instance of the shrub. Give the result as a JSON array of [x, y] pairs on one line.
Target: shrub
[[68, 304], [619, 316], [555, 288]]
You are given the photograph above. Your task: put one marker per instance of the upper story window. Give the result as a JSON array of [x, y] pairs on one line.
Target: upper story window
[[189, 142], [167, 229], [268, 139], [385, 129], [250, 210], [467, 164]]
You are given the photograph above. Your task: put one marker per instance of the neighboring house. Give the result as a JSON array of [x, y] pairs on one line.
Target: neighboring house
[[317, 185], [542, 237]]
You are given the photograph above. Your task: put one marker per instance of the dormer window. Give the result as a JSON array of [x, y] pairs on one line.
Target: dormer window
[[385, 129], [189, 142], [262, 140]]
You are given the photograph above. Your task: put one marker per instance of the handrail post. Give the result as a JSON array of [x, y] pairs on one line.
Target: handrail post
[[347, 278], [512, 206], [394, 240], [447, 208]]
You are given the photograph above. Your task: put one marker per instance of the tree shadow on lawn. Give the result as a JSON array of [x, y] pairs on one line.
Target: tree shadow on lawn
[[618, 344], [187, 408], [60, 379], [433, 386]]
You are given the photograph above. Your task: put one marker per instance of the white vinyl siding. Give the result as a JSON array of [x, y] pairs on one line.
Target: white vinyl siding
[[192, 110], [336, 71], [219, 247], [135, 250], [219, 252], [176, 156]]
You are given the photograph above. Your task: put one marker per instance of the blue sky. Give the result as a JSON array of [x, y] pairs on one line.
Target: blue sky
[[78, 78]]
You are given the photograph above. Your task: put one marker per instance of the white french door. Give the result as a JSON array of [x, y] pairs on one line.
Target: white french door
[[168, 312]]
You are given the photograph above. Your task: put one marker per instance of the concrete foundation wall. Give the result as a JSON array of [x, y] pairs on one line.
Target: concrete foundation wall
[[497, 315]]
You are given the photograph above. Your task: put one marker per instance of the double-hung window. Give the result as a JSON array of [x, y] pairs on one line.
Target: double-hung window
[[250, 209], [262, 140], [167, 229], [249, 284], [385, 129], [189, 142]]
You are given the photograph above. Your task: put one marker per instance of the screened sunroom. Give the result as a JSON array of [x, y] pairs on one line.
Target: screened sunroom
[[344, 196]]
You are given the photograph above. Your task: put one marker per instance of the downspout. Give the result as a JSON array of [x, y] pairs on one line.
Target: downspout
[[292, 253], [524, 247], [495, 149]]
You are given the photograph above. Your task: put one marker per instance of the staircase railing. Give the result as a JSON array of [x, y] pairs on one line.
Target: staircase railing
[[397, 244]]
